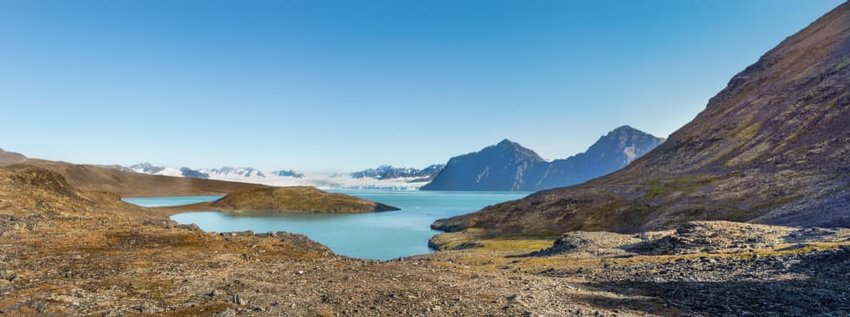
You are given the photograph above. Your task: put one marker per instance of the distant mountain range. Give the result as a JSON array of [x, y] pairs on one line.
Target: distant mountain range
[[224, 173], [384, 177], [504, 166], [413, 175], [510, 166]]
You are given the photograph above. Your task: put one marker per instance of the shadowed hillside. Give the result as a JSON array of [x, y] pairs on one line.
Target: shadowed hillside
[[772, 147]]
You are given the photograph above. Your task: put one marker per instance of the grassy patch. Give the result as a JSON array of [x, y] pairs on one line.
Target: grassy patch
[[476, 238], [798, 249], [524, 244], [656, 189]]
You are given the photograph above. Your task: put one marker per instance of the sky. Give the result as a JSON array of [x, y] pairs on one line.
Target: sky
[[341, 85]]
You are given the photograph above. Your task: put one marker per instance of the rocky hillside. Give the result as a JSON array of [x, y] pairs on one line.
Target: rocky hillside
[[290, 199], [509, 166], [9, 158], [772, 147]]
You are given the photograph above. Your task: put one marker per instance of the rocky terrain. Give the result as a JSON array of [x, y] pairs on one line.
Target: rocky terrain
[[288, 200], [773, 147], [700, 268], [68, 252], [510, 166]]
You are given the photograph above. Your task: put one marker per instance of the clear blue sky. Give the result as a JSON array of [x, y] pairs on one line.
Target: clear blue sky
[[342, 85]]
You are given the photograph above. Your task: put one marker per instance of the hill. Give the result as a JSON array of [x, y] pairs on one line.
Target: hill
[[125, 182], [772, 147], [289, 199]]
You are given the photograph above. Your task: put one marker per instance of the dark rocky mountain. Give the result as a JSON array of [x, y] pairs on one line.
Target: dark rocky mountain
[[509, 166], [146, 168], [610, 153], [504, 166], [772, 147], [188, 172], [386, 172], [227, 171], [288, 173]]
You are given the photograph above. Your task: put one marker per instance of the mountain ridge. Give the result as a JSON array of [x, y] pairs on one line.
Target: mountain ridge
[[508, 165]]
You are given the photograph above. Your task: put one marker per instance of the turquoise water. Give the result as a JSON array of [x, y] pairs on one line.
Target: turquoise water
[[382, 235], [169, 201]]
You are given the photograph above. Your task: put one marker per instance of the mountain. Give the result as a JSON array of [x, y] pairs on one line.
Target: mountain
[[233, 172], [772, 147], [288, 173], [224, 173], [509, 166], [393, 178], [504, 166], [611, 152], [387, 172], [188, 172], [150, 169]]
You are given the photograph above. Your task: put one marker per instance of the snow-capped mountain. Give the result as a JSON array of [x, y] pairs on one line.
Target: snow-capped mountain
[[148, 168], [188, 172], [223, 173], [288, 173], [510, 166], [285, 177], [387, 172], [234, 172]]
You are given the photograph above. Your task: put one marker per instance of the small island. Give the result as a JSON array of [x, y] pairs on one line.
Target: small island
[[274, 200]]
